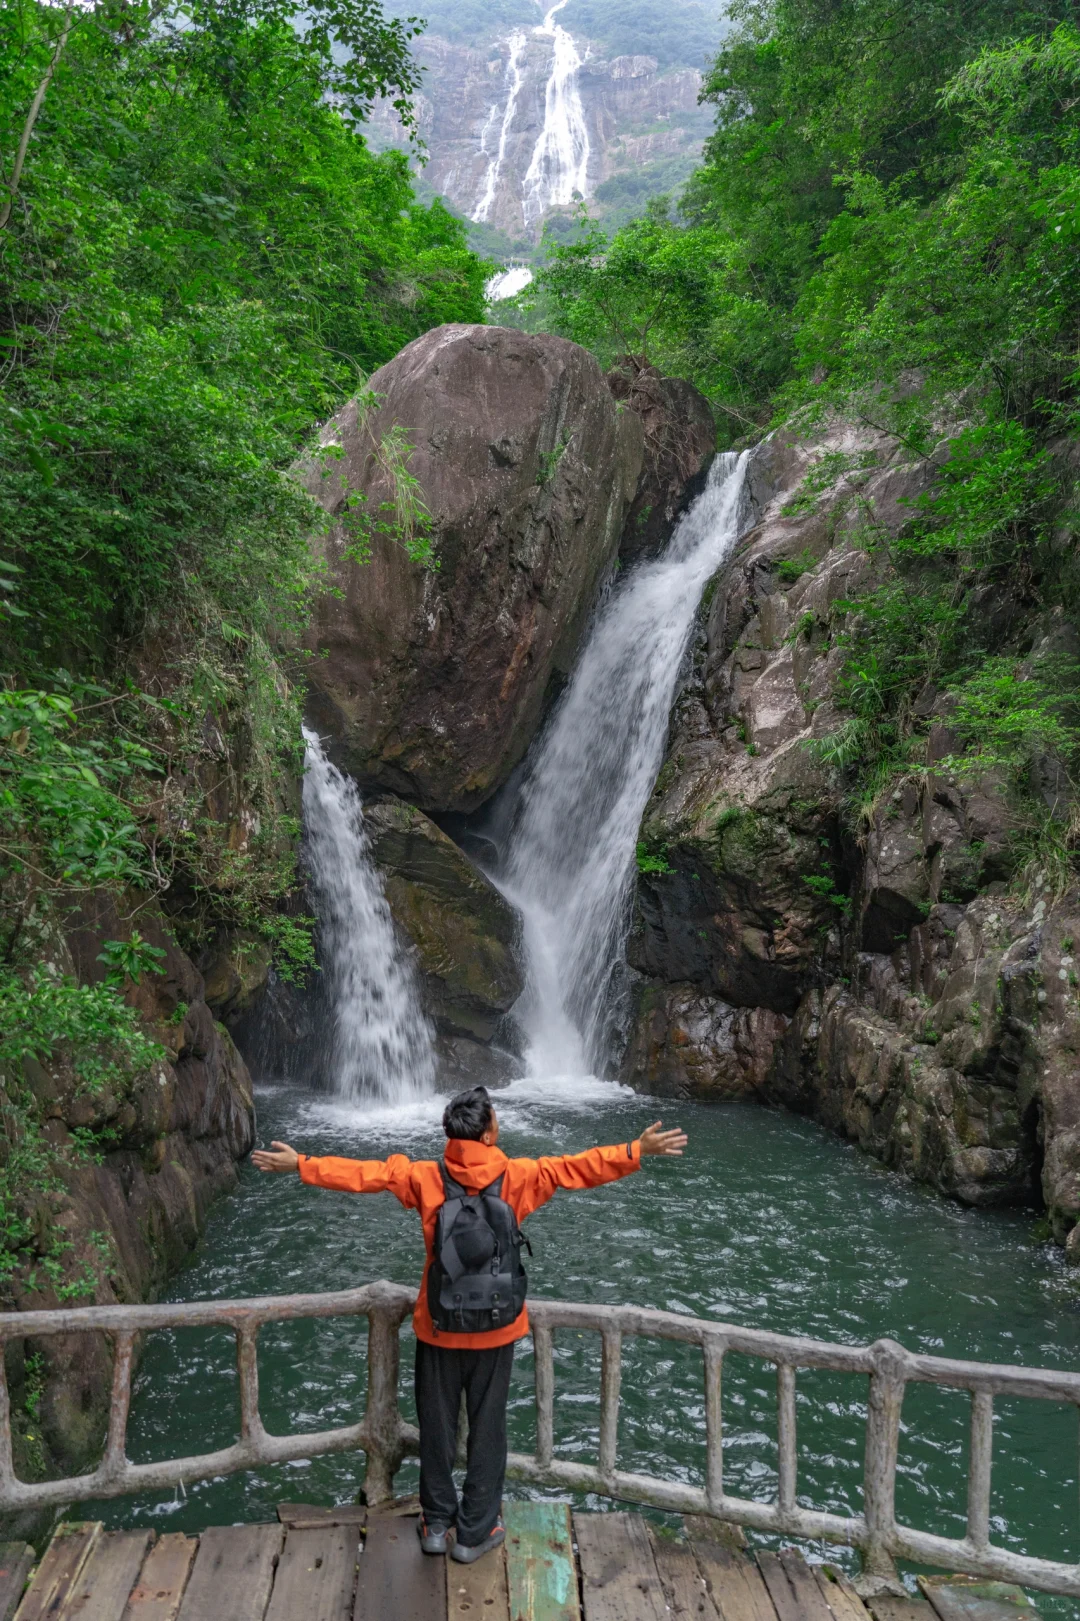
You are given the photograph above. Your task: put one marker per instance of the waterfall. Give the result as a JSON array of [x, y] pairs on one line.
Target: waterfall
[[515, 78], [381, 1042], [570, 861], [505, 283], [560, 160]]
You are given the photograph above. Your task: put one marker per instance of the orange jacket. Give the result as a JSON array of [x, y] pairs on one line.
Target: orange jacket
[[527, 1184]]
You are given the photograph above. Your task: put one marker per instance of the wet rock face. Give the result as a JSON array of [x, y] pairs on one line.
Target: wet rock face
[[687, 1044], [680, 443], [954, 1057], [121, 1221], [886, 980], [430, 684], [464, 933]]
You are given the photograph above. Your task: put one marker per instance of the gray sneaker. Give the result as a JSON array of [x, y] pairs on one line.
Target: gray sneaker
[[467, 1556], [432, 1535]]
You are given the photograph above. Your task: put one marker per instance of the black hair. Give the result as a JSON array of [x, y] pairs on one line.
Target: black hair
[[468, 1114]]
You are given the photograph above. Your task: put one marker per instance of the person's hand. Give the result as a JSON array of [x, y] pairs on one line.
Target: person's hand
[[285, 1159], [655, 1141]]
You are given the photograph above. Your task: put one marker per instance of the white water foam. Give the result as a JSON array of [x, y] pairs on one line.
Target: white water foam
[[505, 283], [570, 862], [382, 1043], [560, 161], [515, 78]]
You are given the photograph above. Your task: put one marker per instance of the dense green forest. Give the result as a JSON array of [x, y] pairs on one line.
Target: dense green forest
[[200, 260], [886, 226]]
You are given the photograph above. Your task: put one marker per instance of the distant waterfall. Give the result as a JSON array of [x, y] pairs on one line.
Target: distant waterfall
[[560, 160], [515, 78], [382, 1043], [570, 859]]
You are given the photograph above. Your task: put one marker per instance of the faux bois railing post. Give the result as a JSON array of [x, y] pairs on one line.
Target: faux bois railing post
[[385, 1434], [115, 1459], [786, 1437], [713, 1354], [544, 1374], [979, 1467], [610, 1383], [879, 1481]]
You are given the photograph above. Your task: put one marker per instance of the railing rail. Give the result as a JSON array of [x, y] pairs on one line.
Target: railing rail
[[386, 1437]]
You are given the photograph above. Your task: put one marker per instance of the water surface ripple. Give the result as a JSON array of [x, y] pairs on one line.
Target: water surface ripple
[[768, 1221]]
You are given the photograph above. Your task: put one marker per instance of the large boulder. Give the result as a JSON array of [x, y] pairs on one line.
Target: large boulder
[[430, 683], [462, 930], [680, 443]]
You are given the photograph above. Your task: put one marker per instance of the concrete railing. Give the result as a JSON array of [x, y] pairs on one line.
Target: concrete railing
[[385, 1437]]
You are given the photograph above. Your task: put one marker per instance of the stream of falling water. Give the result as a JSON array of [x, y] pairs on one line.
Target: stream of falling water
[[560, 161], [515, 78], [570, 859], [382, 1044]]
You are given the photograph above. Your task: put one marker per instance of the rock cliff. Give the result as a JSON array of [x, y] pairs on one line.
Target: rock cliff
[[126, 1171], [431, 682], [892, 982], [482, 114], [680, 443]]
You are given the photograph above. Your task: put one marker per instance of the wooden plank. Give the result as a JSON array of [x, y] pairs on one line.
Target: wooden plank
[[16, 1563], [703, 1528], [970, 1598], [316, 1575], [839, 1595], [396, 1581], [735, 1585], [163, 1578], [685, 1588], [478, 1592], [400, 1505], [541, 1576], [59, 1570], [106, 1579], [891, 1608], [312, 1517], [781, 1592], [809, 1599], [233, 1573], [619, 1579]]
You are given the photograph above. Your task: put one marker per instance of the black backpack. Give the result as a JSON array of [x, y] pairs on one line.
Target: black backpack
[[476, 1281]]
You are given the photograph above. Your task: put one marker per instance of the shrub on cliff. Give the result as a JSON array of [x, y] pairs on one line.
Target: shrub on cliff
[[199, 258]]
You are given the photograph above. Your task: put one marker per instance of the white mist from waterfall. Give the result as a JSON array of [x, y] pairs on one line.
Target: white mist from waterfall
[[382, 1044], [560, 161], [570, 862], [515, 78]]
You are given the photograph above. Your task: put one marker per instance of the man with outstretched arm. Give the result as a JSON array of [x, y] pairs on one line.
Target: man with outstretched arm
[[471, 1307]]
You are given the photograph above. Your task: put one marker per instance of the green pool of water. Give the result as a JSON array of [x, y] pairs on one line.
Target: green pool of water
[[768, 1221]]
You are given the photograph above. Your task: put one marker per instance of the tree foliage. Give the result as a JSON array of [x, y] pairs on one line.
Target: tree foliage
[[200, 260]]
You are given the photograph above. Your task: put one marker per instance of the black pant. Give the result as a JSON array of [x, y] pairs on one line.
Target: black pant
[[441, 1375]]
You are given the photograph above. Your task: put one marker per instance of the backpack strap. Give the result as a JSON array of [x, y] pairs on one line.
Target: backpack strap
[[455, 1195], [452, 1189]]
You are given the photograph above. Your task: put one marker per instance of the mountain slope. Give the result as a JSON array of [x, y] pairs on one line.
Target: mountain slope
[[523, 109]]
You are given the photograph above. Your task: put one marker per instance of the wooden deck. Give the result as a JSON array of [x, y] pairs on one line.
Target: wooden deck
[[349, 1564]]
